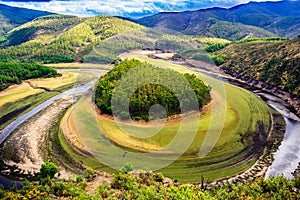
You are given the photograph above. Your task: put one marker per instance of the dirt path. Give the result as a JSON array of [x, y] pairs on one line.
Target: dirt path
[[101, 178], [25, 150]]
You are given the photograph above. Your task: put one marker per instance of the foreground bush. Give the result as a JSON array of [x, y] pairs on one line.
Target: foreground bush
[[154, 186]]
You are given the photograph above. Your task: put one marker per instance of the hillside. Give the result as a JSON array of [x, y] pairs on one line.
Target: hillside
[[275, 63], [60, 38], [11, 17], [255, 19], [99, 39]]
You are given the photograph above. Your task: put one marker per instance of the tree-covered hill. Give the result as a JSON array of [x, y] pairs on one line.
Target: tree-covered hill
[[99, 39], [11, 17], [255, 19], [275, 63], [149, 94], [60, 38]]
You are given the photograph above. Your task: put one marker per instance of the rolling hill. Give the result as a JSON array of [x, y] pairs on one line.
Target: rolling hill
[[11, 17], [62, 38], [255, 19]]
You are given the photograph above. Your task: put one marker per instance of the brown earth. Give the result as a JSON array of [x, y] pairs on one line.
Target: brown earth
[[26, 149]]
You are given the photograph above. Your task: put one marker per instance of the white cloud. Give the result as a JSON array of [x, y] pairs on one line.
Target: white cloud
[[121, 7]]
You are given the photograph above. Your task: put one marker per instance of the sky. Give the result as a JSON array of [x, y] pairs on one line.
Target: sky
[[125, 8]]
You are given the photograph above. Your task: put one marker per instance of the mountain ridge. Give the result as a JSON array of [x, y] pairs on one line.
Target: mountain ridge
[[11, 17], [273, 17]]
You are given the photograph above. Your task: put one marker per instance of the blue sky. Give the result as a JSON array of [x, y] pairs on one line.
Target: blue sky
[[126, 8]]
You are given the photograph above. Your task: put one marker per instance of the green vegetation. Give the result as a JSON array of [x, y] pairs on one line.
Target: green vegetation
[[14, 73], [206, 41], [216, 47], [200, 54], [275, 63], [61, 38], [231, 30], [150, 94], [208, 26], [267, 39], [263, 19], [148, 185], [48, 169]]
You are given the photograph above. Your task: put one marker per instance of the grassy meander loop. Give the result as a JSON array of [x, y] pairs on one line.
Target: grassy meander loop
[[233, 119]]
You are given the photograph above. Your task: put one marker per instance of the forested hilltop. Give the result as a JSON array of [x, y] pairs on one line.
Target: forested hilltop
[[60, 38], [14, 73], [150, 94]]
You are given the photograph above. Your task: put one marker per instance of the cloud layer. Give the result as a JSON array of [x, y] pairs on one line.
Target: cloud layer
[[125, 8]]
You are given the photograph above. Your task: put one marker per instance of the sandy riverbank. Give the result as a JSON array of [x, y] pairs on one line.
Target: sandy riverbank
[[25, 151]]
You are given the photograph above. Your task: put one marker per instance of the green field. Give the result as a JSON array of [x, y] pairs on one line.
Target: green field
[[226, 131]]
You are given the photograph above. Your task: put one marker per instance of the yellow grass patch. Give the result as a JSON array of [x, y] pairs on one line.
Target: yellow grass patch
[[77, 65], [17, 92], [67, 78]]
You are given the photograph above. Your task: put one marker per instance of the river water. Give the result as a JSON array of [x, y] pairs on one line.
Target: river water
[[12, 126], [287, 157]]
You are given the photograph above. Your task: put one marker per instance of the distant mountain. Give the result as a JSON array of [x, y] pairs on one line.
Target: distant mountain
[[257, 19], [11, 17]]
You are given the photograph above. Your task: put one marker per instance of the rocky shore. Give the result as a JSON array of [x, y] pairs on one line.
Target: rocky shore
[[293, 101]]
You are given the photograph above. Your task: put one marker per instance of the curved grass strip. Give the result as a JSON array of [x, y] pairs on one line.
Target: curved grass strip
[[233, 153]]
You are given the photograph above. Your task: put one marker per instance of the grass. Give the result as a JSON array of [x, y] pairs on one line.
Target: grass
[[67, 79], [17, 92], [11, 111], [20, 99], [78, 65], [240, 110]]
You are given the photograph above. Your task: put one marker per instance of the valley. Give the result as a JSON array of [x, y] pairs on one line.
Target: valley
[[187, 105], [75, 145]]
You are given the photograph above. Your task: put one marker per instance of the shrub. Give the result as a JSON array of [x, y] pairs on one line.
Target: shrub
[[79, 179], [128, 167], [89, 174], [48, 169]]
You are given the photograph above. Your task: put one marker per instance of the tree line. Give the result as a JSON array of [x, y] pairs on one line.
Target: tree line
[[14, 73]]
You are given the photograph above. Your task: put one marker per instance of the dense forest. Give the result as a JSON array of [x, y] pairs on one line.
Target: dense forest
[[14, 73], [145, 185], [150, 94]]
